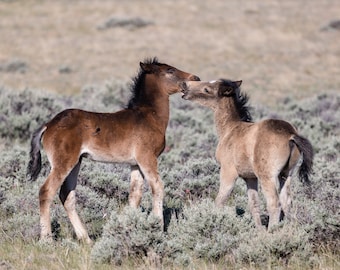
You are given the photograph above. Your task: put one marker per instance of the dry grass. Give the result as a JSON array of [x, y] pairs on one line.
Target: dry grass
[[273, 46], [16, 254]]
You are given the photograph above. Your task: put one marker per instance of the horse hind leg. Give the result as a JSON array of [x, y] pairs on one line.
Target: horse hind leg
[[67, 196], [285, 178], [285, 196], [253, 200], [136, 187], [269, 190], [46, 194], [148, 167]]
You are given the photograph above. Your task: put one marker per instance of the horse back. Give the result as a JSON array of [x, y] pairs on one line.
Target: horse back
[[254, 148], [277, 127], [108, 137]]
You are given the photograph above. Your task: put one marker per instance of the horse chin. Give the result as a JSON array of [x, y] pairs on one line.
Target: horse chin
[[184, 96], [184, 92]]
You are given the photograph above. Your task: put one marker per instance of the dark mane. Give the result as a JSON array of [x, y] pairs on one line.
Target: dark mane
[[242, 106], [241, 101], [137, 86]]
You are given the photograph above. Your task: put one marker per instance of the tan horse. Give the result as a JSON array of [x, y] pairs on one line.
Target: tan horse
[[267, 151], [135, 135]]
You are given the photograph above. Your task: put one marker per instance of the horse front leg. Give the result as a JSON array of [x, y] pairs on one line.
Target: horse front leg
[[149, 169], [228, 177], [136, 187], [157, 188], [253, 200]]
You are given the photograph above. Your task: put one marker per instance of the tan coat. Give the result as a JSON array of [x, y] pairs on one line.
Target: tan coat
[[267, 151]]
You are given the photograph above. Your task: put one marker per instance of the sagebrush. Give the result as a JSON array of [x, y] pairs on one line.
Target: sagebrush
[[195, 229]]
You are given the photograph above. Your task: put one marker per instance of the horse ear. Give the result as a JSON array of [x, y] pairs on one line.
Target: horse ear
[[226, 90], [143, 66], [147, 68], [238, 83]]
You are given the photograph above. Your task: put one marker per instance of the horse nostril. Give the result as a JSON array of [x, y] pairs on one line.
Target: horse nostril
[[195, 78], [183, 85]]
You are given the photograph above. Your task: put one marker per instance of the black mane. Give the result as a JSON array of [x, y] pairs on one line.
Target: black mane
[[137, 87], [240, 100]]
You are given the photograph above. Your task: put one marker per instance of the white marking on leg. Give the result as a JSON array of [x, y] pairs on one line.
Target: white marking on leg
[[74, 218]]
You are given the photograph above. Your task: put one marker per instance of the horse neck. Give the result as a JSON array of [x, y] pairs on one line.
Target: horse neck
[[159, 101], [226, 116]]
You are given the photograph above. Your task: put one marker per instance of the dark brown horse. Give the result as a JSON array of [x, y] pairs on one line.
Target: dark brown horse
[[268, 151], [135, 135]]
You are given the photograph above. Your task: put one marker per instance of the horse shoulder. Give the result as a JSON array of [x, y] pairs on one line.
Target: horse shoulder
[[234, 142]]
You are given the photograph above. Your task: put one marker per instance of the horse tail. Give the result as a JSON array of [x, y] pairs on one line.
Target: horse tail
[[34, 165], [306, 148]]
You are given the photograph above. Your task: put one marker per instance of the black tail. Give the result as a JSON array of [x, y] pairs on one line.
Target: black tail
[[305, 147], [34, 165]]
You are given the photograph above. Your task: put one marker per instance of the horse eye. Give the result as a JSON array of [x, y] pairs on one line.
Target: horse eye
[[171, 70], [206, 90]]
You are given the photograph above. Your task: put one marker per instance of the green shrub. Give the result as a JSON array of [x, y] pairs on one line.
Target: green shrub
[[22, 112], [204, 231], [131, 233], [281, 247]]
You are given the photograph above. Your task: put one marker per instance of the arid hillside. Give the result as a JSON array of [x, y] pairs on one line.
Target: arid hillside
[[278, 48]]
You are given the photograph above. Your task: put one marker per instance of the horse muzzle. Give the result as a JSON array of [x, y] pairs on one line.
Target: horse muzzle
[[194, 78], [184, 89]]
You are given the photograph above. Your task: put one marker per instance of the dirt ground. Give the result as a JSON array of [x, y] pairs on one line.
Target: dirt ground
[[278, 48]]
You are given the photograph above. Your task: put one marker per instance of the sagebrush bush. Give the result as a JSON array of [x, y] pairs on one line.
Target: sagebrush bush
[[106, 179], [282, 246], [22, 112], [131, 233], [111, 96], [204, 231]]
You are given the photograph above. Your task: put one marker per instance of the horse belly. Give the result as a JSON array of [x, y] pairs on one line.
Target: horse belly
[[243, 163], [245, 170], [110, 156]]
